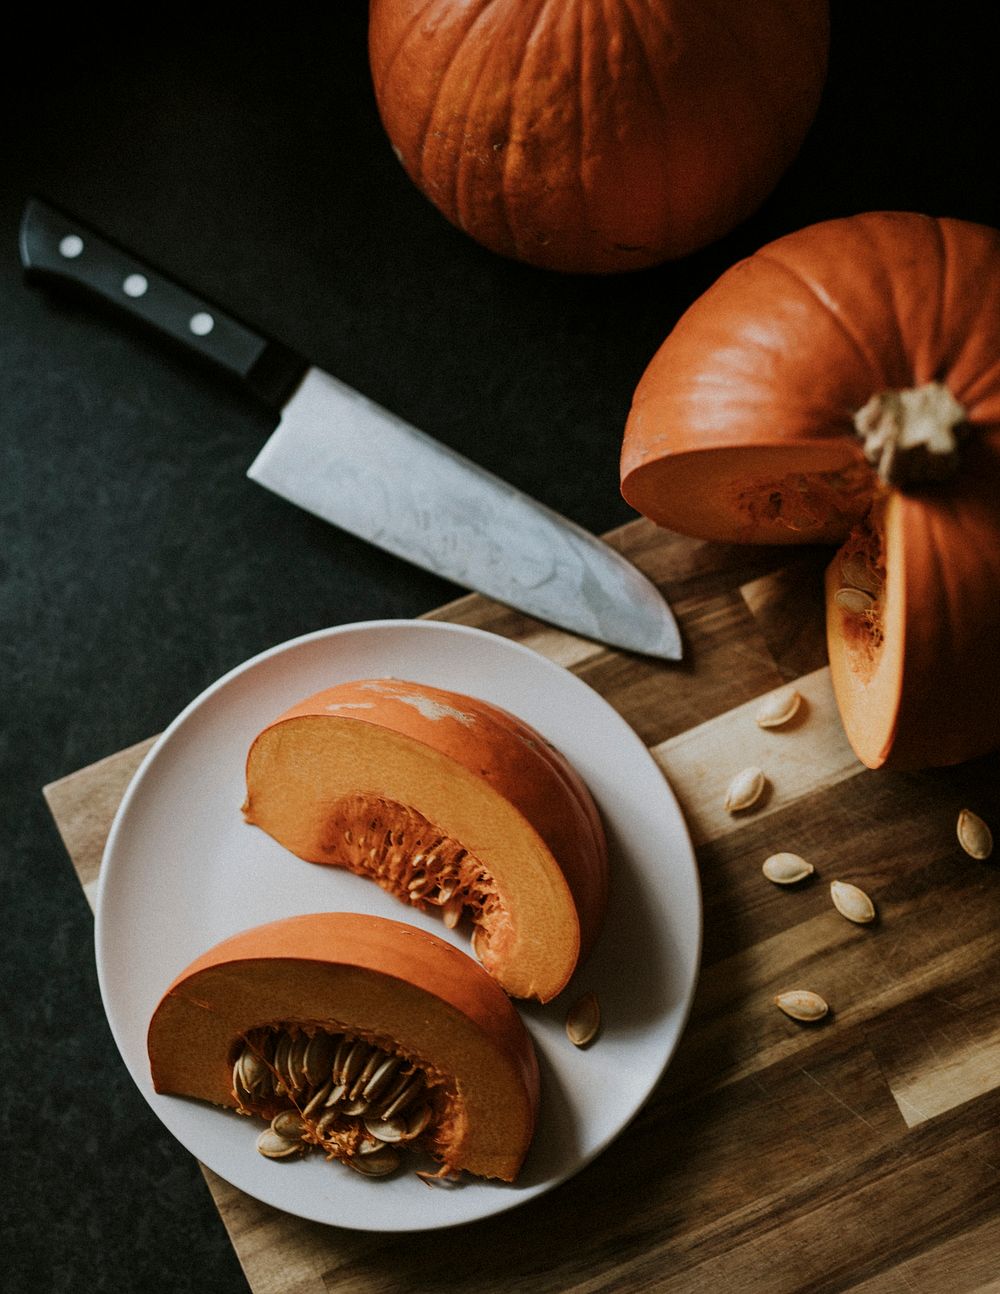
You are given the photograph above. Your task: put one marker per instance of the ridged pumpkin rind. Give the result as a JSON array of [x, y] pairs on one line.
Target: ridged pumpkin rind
[[379, 978], [461, 762], [595, 138], [753, 395]]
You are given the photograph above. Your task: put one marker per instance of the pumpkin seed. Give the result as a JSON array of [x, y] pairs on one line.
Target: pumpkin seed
[[451, 911], [273, 1146], [327, 1122], [852, 903], [288, 1124], [386, 1130], [802, 1004], [418, 1121], [318, 1099], [399, 1103], [786, 869], [371, 1066], [381, 1078], [854, 601], [745, 789], [281, 1051], [296, 1072], [583, 1020], [974, 835], [318, 1060], [251, 1070], [353, 1062], [378, 1164], [857, 573], [777, 709]]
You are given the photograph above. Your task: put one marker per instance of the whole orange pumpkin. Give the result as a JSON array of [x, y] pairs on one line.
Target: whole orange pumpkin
[[594, 137], [843, 385]]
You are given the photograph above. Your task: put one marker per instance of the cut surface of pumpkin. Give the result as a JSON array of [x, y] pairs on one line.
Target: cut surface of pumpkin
[[344, 1030], [448, 803], [841, 386]]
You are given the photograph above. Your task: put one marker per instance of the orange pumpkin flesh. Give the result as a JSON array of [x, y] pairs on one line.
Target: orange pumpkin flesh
[[591, 137], [745, 428], [380, 980], [442, 800]]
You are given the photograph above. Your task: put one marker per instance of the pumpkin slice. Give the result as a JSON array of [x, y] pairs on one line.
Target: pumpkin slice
[[447, 802], [266, 1021], [841, 386]]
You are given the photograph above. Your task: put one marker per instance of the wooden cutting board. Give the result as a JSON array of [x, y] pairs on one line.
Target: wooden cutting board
[[859, 1154]]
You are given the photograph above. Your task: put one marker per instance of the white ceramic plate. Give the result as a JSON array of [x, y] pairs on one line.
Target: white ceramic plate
[[182, 870]]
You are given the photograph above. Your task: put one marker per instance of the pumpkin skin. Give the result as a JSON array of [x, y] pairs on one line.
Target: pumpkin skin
[[595, 138], [742, 430], [380, 979], [476, 776]]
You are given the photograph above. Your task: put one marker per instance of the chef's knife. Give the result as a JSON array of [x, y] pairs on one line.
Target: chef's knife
[[349, 461]]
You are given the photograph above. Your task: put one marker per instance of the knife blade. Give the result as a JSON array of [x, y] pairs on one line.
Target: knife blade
[[344, 458]]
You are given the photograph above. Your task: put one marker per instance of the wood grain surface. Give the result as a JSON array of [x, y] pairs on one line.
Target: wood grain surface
[[859, 1154]]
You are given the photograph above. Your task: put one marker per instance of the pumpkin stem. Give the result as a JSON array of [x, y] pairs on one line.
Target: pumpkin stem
[[910, 436]]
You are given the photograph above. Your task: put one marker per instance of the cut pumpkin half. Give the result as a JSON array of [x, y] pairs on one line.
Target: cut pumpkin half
[[449, 803], [842, 385], [344, 1030]]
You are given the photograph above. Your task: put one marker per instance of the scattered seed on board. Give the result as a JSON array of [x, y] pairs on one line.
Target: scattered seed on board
[[786, 869], [777, 709], [802, 1004], [583, 1020], [974, 835], [745, 789], [852, 903]]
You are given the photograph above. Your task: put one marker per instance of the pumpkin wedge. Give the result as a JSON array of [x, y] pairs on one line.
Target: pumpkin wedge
[[267, 1022], [449, 803], [842, 385]]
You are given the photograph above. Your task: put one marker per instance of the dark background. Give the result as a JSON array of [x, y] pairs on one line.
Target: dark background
[[241, 151]]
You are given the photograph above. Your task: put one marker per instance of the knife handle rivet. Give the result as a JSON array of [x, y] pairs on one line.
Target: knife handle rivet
[[201, 324], [71, 246], [136, 285]]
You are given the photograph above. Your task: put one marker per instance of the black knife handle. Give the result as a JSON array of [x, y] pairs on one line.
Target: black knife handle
[[55, 246]]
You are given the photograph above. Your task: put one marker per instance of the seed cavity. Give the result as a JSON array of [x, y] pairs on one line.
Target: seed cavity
[[357, 1100], [408, 856], [583, 1020], [852, 903], [778, 709], [786, 869], [974, 835], [802, 1004], [745, 789]]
